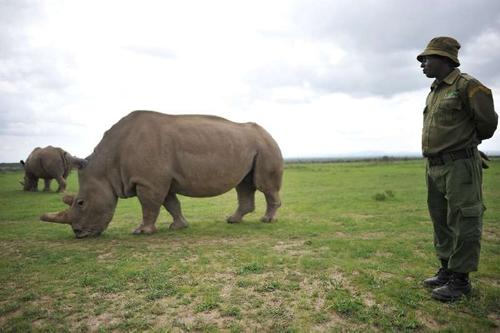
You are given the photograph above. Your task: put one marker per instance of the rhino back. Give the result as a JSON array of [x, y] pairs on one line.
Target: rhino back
[[195, 155], [45, 162]]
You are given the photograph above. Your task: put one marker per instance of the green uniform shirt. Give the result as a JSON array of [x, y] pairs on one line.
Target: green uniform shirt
[[459, 113]]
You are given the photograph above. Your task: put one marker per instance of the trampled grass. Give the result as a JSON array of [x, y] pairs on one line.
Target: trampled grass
[[348, 253]]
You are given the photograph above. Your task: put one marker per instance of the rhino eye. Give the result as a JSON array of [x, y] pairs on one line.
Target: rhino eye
[[80, 202]]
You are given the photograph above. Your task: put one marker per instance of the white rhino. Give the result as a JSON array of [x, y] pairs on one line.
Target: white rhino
[[155, 156], [46, 163]]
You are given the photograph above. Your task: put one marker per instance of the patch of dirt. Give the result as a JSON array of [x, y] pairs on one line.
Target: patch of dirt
[[384, 275], [337, 280], [282, 246], [490, 235], [104, 319], [188, 260], [6, 317], [357, 217], [428, 322], [292, 248], [373, 235], [105, 256], [182, 318], [383, 254], [495, 318], [330, 325], [491, 282], [262, 311], [366, 296], [420, 254]]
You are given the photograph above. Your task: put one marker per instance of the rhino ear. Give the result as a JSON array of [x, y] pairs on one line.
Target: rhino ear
[[78, 163], [68, 199], [22, 162]]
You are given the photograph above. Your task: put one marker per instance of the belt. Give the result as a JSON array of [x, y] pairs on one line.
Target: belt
[[443, 158]]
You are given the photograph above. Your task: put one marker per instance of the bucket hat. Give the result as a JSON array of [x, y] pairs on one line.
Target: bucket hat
[[443, 46]]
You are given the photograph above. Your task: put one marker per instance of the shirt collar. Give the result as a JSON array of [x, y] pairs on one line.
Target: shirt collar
[[449, 79]]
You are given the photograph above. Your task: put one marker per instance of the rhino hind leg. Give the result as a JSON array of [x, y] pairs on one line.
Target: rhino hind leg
[[268, 177], [273, 203], [47, 185], [173, 206], [62, 184], [151, 204], [246, 199]]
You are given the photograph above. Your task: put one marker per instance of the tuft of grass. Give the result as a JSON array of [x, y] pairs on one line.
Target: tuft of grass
[[347, 306], [382, 196], [253, 268], [269, 286], [232, 311], [208, 304], [379, 197]]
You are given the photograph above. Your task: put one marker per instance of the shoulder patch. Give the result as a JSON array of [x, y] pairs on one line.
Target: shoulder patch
[[466, 76], [477, 89]]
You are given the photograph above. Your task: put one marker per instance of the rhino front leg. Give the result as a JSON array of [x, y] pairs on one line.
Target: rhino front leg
[[46, 188], [173, 206], [34, 188], [151, 204]]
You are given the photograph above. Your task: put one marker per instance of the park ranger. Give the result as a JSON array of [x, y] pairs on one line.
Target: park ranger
[[458, 115]]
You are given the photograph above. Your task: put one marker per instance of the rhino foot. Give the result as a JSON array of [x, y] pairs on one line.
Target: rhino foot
[[233, 219], [143, 229], [267, 219], [177, 225]]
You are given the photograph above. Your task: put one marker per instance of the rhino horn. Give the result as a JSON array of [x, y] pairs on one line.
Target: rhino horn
[[61, 217], [78, 163], [68, 199]]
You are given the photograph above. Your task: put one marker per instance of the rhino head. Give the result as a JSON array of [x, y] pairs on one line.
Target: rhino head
[[91, 210], [29, 183]]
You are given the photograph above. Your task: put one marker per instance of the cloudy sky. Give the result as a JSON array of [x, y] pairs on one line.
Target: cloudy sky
[[325, 78]]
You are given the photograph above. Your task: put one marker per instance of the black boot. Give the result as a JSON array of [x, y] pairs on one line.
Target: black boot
[[458, 286], [441, 278]]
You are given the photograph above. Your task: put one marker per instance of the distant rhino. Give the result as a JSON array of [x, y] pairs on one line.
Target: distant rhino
[[155, 156], [46, 163]]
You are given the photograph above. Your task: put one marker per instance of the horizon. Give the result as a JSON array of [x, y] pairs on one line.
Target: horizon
[[353, 156]]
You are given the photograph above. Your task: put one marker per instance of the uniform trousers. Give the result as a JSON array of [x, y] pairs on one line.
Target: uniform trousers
[[455, 202]]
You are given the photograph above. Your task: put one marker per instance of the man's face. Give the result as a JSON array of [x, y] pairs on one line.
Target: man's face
[[432, 65]]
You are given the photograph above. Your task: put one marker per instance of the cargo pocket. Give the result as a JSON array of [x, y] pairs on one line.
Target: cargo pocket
[[471, 216], [472, 211]]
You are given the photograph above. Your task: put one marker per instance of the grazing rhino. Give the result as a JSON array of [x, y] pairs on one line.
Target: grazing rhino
[[155, 156], [46, 163]]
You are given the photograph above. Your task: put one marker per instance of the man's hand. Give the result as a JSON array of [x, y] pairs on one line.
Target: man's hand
[[484, 158]]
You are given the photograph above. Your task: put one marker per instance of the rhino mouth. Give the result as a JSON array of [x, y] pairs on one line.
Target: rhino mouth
[[85, 233]]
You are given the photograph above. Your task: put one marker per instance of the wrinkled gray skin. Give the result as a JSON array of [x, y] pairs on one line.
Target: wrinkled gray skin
[[46, 163], [155, 156]]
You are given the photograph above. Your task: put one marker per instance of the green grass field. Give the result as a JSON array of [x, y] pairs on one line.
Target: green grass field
[[351, 246]]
